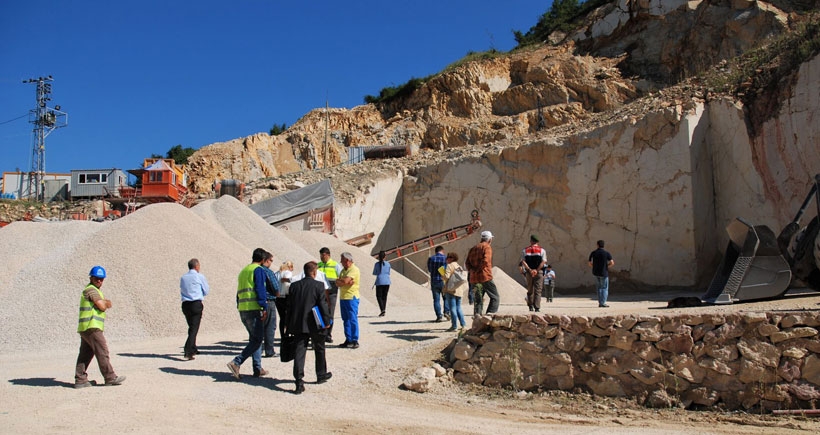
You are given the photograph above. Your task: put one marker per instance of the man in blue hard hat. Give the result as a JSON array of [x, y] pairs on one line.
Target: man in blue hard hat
[[93, 306]]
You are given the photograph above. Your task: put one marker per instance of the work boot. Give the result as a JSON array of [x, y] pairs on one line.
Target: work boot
[[118, 381], [234, 370]]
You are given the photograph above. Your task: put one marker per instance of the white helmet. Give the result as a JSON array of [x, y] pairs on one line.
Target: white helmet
[[486, 235]]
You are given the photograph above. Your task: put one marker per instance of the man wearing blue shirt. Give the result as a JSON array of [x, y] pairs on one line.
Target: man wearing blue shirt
[[436, 261], [272, 287], [193, 287], [252, 303]]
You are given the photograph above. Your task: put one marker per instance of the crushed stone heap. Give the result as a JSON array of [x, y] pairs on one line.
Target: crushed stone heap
[[46, 264]]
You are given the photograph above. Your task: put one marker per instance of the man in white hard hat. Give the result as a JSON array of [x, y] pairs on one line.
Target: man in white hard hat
[[480, 265]]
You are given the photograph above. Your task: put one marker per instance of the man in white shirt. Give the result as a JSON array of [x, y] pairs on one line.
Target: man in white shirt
[[549, 283], [319, 277], [193, 287]]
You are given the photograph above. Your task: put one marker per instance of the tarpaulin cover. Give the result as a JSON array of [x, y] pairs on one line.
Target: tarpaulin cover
[[295, 202]]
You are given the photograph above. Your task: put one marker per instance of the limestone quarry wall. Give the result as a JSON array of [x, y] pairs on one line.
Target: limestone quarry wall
[[736, 360], [770, 170], [659, 189], [378, 211], [629, 184]]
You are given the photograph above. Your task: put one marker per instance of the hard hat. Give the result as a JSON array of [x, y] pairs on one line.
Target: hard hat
[[97, 272], [486, 235]]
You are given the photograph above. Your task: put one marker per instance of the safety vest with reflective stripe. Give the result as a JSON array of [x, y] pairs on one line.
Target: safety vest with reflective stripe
[[245, 292], [90, 316], [533, 256], [329, 269]]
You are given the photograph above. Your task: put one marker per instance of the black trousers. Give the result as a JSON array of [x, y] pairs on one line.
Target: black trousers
[[318, 339], [381, 296], [193, 315], [282, 309], [332, 296]]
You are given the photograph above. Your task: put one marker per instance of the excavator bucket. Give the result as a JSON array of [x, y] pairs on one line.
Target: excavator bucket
[[752, 268]]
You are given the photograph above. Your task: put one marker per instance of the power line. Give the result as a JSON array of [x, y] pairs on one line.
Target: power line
[[15, 119]]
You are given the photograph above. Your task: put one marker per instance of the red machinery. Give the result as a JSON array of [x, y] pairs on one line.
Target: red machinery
[[433, 240]]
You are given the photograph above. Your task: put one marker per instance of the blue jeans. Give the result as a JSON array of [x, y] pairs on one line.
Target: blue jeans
[[350, 317], [270, 328], [256, 333], [603, 289], [437, 298], [454, 303]]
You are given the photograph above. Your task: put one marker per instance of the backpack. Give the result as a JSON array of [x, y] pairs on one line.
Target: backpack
[[458, 277]]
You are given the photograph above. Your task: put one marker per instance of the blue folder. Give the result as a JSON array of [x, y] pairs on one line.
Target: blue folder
[[317, 315]]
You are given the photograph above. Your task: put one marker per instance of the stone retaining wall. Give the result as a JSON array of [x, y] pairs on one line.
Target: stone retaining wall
[[736, 361]]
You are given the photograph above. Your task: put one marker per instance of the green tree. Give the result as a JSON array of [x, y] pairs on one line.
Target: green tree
[[179, 154], [278, 129], [564, 16], [392, 93]]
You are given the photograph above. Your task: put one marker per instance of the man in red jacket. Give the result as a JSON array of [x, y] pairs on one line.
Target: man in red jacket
[[533, 260], [480, 265]]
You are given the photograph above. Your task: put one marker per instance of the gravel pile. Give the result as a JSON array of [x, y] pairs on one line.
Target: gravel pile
[[45, 267]]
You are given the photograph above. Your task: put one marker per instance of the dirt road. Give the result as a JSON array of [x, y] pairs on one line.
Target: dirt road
[[165, 394]]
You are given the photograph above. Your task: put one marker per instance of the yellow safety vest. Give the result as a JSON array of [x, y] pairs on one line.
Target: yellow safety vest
[[90, 316], [245, 292], [329, 269]]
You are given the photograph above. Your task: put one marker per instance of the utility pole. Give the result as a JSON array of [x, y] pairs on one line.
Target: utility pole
[[45, 120], [325, 150]]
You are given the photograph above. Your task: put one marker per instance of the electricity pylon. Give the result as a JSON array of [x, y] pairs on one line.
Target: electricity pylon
[[45, 120]]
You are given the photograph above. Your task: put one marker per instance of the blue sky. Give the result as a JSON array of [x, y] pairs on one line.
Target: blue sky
[[139, 77]]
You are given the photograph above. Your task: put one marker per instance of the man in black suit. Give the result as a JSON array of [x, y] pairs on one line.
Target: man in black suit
[[304, 295]]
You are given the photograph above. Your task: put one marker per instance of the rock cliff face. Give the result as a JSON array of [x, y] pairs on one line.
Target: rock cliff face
[[659, 187], [478, 103], [667, 40], [572, 142]]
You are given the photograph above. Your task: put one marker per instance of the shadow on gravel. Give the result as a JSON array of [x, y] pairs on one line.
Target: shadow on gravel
[[413, 337], [220, 348], [42, 382], [396, 322], [411, 334], [152, 355], [268, 382]]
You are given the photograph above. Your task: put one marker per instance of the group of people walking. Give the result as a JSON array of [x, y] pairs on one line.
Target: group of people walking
[[539, 275], [451, 283], [306, 302]]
